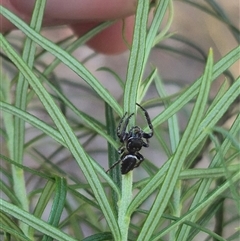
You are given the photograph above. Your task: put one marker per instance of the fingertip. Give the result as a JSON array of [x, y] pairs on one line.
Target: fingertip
[[110, 41]]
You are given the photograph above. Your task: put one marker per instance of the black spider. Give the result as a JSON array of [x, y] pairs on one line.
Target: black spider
[[132, 143]]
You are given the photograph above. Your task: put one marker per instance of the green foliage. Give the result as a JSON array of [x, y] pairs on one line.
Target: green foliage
[[175, 201]]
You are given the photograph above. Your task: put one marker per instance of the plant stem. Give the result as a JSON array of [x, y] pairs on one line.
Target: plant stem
[[123, 220]]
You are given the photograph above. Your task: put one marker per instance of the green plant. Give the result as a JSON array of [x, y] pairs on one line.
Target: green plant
[[183, 199]]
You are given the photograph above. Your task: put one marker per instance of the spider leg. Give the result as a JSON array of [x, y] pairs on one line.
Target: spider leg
[[150, 134], [145, 144], [115, 164], [120, 125], [140, 158], [122, 134], [121, 149]]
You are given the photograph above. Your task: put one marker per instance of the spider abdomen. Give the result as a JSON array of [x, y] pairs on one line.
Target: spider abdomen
[[128, 163]]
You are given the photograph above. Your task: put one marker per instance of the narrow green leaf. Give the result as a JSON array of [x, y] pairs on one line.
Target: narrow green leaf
[[156, 22], [8, 192], [32, 120], [136, 60], [172, 121], [134, 76], [88, 120], [217, 110], [181, 153], [126, 198], [146, 84], [113, 155], [207, 172], [182, 100], [199, 206], [43, 201], [27, 169], [51, 132], [65, 57], [99, 237], [6, 118], [205, 184], [21, 102], [174, 134], [164, 33], [8, 226], [44, 198], [34, 222], [58, 201], [206, 217], [157, 179], [80, 41], [58, 204], [22, 88], [71, 140], [5, 219]]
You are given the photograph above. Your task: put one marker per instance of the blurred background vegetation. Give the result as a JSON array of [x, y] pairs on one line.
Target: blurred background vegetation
[[179, 59]]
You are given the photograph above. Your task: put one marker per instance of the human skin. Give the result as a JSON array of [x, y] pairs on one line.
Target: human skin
[[81, 16]]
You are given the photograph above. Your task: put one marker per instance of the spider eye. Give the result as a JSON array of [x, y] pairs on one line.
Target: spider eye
[[137, 129]]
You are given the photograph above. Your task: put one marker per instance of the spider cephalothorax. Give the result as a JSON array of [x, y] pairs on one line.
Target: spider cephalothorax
[[132, 142]]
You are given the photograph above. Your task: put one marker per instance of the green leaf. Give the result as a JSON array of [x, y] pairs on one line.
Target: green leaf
[[216, 110], [205, 184], [99, 237], [71, 140], [159, 14], [17, 144], [43, 201], [34, 222], [65, 57], [9, 226], [181, 153], [78, 42], [145, 85], [88, 120], [58, 204], [27, 169], [189, 94], [34, 121], [136, 60], [113, 156], [8, 192], [156, 180], [199, 206]]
